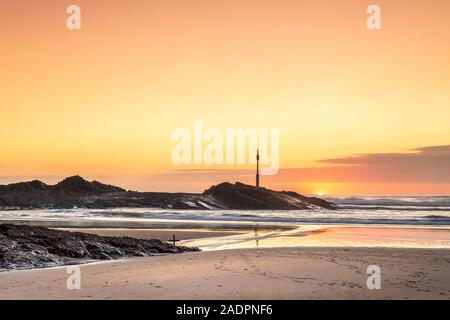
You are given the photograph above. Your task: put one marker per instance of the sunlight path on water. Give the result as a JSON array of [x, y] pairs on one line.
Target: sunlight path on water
[[331, 236]]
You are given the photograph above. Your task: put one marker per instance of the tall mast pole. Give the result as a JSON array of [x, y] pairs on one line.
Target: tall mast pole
[[257, 168]]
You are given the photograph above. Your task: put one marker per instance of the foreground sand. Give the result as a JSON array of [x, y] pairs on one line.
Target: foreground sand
[[276, 273]]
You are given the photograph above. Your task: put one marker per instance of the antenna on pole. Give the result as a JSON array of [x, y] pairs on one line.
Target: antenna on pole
[[257, 168]]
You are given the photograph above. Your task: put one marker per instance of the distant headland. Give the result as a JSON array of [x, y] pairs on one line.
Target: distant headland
[[76, 192]]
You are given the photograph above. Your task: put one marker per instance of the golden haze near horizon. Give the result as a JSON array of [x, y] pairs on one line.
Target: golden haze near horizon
[[102, 101]]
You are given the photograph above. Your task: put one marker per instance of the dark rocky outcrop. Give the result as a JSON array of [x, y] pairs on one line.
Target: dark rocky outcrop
[[66, 194], [77, 186], [24, 247], [77, 192], [243, 196]]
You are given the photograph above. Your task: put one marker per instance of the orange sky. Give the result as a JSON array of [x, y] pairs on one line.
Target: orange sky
[[103, 101]]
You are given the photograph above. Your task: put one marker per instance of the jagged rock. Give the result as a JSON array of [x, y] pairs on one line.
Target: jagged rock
[[243, 196], [24, 247], [78, 186]]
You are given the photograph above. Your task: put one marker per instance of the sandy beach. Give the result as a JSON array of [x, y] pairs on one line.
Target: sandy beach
[[297, 272], [281, 273]]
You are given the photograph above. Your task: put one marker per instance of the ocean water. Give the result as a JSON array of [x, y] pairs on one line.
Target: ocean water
[[387, 210]]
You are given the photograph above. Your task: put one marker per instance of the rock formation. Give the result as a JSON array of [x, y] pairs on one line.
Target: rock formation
[[25, 247], [77, 192]]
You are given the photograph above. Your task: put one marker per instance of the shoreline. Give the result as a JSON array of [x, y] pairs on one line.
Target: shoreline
[[225, 225], [237, 236], [149, 224], [317, 236]]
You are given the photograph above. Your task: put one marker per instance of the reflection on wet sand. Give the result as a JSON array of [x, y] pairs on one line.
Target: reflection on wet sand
[[334, 236]]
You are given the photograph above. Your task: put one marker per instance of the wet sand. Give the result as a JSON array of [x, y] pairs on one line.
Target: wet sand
[[332, 236], [161, 234]]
